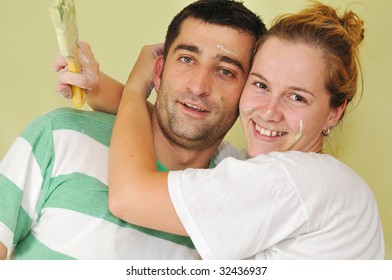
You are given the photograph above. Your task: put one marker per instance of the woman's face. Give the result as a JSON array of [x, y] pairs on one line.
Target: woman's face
[[284, 104]]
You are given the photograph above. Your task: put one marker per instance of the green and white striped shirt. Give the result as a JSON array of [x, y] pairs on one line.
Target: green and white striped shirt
[[53, 196]]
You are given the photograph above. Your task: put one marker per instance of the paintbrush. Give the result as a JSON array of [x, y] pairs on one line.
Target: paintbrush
[[63, 15]]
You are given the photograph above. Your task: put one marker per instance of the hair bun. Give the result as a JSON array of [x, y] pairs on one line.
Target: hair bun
[[351, 23], [354, 27]]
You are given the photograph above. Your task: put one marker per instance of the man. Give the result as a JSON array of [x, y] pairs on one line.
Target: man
[[53, 180]]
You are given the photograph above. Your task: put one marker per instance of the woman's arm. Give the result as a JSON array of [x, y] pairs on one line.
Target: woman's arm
[[106, 96], [138, 193], [3, 251]]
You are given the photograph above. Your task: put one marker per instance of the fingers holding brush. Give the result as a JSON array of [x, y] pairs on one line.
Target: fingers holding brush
[[60, 65], [88, 79]]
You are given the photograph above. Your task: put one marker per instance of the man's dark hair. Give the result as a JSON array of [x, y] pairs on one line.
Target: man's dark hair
[[228, 13]]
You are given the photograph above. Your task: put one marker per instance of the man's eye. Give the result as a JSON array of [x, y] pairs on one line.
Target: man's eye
[[186, 59], [226, 72]]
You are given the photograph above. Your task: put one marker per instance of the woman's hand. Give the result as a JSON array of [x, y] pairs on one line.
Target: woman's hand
[[103, 93], [141, 76], [87, 79]]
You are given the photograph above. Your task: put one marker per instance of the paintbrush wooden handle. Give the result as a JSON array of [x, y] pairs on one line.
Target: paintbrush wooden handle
[[78, 94]]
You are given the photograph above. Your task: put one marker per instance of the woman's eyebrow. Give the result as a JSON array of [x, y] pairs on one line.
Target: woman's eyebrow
[[294, 88]]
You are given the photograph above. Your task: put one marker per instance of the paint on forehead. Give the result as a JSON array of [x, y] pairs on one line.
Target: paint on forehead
[[227, 50], [301, 128]]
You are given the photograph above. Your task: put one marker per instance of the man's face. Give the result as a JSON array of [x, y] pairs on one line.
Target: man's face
[[200, 83]]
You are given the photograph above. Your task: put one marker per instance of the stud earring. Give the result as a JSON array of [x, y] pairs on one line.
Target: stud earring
[[327, 131]]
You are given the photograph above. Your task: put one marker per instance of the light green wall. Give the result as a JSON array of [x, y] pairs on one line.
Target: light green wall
[[117, 29]]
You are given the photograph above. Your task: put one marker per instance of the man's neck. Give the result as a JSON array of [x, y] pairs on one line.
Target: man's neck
[[175, 157]]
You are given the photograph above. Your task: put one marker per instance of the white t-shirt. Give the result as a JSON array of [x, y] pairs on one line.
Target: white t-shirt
[[289, 205]]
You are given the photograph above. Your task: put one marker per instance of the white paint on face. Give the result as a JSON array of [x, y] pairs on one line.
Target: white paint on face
[[301, 128], [226, 50], [247, 110], [286, 90], [187, 85]]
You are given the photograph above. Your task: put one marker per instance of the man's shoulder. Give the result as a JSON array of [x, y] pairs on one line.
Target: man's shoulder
[[69, 114], [96, 125], [75, 119], [226, 149]]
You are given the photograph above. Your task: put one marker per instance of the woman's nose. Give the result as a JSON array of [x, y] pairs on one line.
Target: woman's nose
[[271, 109]]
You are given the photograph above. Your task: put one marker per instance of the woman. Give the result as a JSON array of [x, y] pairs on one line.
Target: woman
[[290, 201]]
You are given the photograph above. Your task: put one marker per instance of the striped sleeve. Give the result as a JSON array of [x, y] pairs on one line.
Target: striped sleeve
[[22, 173]]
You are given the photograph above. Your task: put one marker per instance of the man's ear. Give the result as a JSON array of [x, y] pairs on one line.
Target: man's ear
[[158, 69]]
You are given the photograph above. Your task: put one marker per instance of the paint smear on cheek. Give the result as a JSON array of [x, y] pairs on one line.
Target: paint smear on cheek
[[223, 48], [246, 115], [247, 110], [301, 128]]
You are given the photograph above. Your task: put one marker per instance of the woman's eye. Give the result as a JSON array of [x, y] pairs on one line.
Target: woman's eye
[[298, 98], [261, 85]]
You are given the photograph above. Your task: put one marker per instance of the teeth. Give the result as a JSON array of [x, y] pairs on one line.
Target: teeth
[[194, 107], [267, 132]]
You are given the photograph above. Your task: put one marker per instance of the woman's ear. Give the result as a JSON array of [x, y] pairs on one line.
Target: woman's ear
[[336, 114], [158, 69]]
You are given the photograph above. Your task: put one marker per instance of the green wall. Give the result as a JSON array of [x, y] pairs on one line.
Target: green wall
[[117, 29]]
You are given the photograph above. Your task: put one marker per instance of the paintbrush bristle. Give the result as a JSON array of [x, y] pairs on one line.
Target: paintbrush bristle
[[63, 15]]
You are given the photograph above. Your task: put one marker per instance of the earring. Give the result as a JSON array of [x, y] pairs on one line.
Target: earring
[[327, 131]]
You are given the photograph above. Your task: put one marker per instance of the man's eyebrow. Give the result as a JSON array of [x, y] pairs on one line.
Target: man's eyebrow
[[223, 58], [187, 47], [230, 60]]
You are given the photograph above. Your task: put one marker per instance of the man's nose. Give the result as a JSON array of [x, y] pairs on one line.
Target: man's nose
[[200, 82]]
